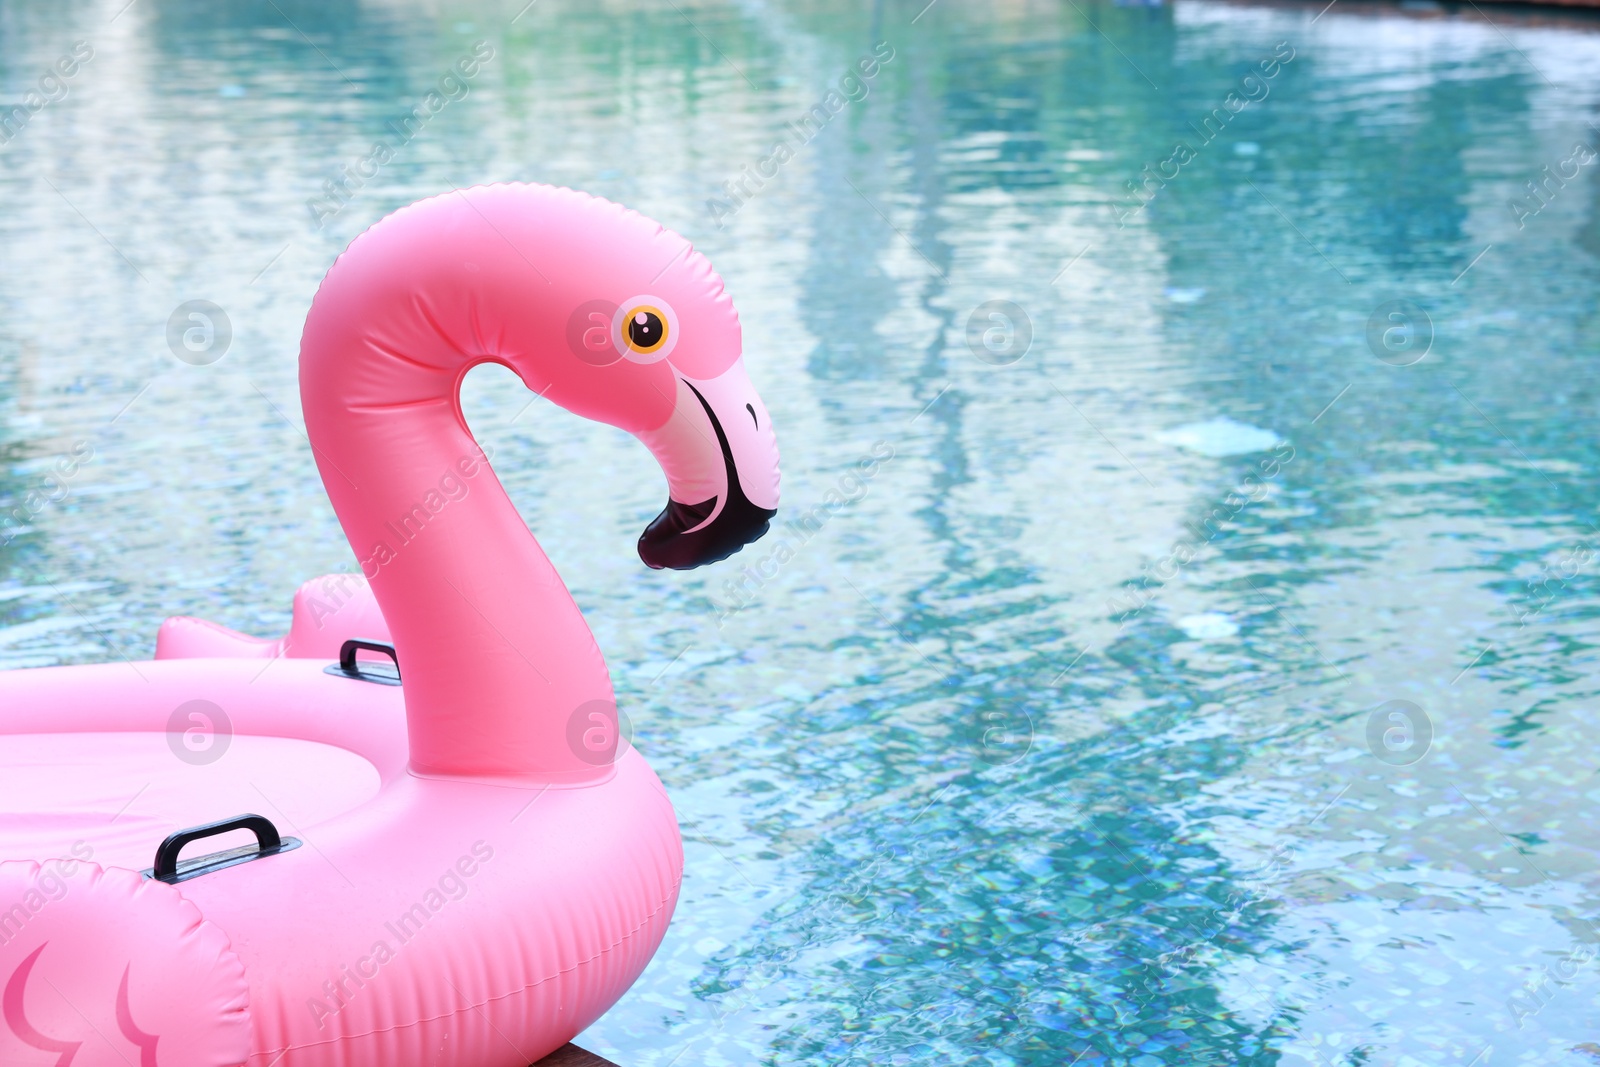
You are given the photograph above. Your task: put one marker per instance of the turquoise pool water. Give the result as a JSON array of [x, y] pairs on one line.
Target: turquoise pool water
[[1205, 671]]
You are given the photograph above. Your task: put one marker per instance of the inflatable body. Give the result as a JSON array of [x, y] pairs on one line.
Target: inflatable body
[[462, 868]]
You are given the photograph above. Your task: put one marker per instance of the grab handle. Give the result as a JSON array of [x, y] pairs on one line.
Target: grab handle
[[268, 843], [347, 667]]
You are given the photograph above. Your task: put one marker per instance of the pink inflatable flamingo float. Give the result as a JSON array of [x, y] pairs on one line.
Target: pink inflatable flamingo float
[[463, 869]]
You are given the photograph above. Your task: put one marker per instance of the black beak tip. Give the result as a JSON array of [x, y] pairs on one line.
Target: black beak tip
[[669, 541]]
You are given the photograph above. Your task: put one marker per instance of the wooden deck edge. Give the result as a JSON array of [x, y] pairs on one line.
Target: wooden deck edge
[[573, 1056]]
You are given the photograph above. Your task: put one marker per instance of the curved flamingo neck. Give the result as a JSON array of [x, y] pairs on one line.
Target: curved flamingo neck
[[502, 676], [495, 654]]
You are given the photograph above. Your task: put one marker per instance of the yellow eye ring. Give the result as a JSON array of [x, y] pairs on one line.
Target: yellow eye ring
[[644, 329]]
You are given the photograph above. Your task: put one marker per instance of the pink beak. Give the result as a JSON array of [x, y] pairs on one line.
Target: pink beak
[[720, 456]]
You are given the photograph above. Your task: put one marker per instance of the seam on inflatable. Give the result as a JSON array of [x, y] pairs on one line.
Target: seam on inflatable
[[398, 405], [624, 939], [695, 260], [475, 321], [419, 303], [389, 352]]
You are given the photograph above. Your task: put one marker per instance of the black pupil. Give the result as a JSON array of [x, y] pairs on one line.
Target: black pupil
[[644, 330]]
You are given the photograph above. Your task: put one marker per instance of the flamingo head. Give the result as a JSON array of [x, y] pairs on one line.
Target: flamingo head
[[652, 344]]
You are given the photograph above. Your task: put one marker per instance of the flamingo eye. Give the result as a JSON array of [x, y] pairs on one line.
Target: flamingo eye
[[644, 329]]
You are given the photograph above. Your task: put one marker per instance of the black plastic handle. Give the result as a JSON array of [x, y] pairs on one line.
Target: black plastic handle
[[348, 650], [381, 673], [268, 843]]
